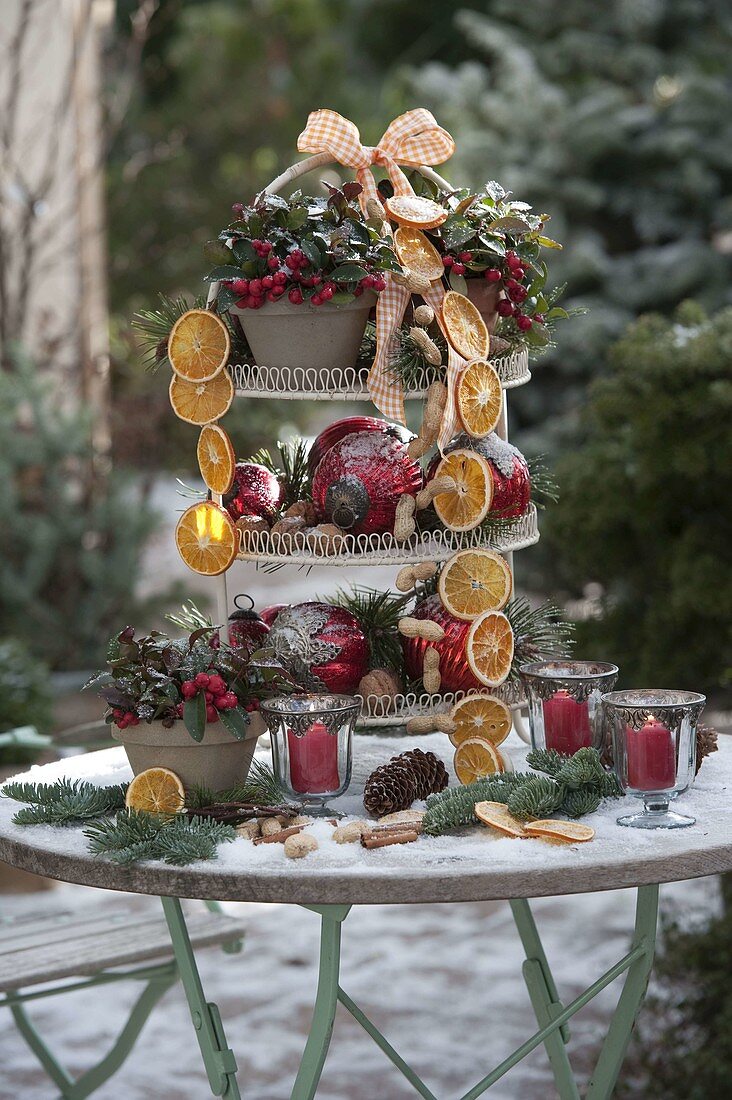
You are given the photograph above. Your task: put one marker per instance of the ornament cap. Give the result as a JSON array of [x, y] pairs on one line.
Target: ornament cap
[[247, 613], [347, 502]]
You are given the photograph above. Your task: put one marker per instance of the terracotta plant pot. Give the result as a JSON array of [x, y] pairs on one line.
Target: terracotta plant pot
[[484, 296], [217, 762], [281, 334]]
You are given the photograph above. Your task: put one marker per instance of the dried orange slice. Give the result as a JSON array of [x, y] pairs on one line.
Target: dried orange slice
[[479, 398], [475, 758], [156, 791], [216, 458], [465, 506], [489, 648], [416, 253], [569, 832], [206, 538], [201, 402], [198, 345], [497, 816], [464, 326], [415, 212], [482, 716], [474, 581]]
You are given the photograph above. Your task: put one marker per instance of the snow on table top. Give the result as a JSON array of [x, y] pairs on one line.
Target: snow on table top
[[475, 863]]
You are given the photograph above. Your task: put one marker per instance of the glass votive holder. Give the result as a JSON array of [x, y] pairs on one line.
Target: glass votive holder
[[654, 746], [564, 702], [312, 746]]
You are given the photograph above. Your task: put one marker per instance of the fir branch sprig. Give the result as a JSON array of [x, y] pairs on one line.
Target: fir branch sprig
[[290, 466], [261, 787], [379, 614], [178, 840], [540, 633], [544, 485], [154, 327], [65, 802]]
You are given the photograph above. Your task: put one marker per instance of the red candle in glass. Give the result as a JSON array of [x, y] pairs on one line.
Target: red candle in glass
[[651, 753], [314, 760], [566, 723]]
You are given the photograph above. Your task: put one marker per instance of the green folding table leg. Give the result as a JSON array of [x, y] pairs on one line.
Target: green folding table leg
[[326, 1000], [607, 1070], [218, 1058]]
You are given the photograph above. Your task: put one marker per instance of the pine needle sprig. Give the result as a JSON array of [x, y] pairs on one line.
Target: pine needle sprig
[[407, 363], [154, 327], [261, 787], [290, 466], [544, 485], [379, 614], [65, 802], [540, 633]]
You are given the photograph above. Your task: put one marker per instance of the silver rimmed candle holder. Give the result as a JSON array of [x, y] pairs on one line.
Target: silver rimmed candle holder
[[312, 746], [654, 746], [564, 702]]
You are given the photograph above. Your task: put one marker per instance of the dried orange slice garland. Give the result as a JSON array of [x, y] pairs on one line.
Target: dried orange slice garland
[[464, 326], [415, 211], [156, 791], [216, 459], [474, 581], [207, 539], [479, 398], [481, 715], [489, 648], [476, 758], [198, 345], [201, 402], [467, 505], [416, 253]]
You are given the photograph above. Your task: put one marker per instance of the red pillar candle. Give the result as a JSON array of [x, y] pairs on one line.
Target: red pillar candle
[[651, 753], [566, 723], [314, 760]]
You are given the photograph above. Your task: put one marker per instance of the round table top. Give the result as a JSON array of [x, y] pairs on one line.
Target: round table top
[[474, 865]]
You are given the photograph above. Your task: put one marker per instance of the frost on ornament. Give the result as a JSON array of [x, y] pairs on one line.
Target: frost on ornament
[[359, 481], [255, 492], [321, 646]]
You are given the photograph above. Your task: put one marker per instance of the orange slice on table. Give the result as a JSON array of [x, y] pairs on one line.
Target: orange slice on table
[[475, 758], [155, 791], [464, 326], [198, 345], [569, 832], [415, 212], [201, 402], [474, 581], [479, 398], [489, 648], [498, 817], [206, 538], [467, 505], [216, 459], [416, 253], [483, 716]]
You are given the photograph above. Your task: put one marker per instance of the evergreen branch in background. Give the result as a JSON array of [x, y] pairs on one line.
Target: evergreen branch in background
[[291, 467], [540, 633], [379, 614], [64, 802], [572, 785], [175, 840], [153, 326], [544, 485]]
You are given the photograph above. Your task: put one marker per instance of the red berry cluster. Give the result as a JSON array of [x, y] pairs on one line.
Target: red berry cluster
[[218, 696], [124, 718], [516, 294], [457, 263]]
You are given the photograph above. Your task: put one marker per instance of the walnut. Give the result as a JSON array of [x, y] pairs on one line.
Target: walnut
[[326, 539], [248, 526], [304, 509]]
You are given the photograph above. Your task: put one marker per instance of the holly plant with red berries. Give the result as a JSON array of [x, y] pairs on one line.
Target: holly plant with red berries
[[308, 249], [197, 680]]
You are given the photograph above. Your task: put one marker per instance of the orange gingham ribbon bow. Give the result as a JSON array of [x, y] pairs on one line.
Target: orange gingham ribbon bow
[[413, 138]]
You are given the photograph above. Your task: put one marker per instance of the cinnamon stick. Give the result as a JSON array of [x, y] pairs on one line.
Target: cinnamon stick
[[386, 837]]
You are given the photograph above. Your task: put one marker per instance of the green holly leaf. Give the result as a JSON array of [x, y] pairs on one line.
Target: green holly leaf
[[456, 231], [194, 716], [243, 250], [216, 252], [349, 273], [227, 271], [312, 252], [236, 722]]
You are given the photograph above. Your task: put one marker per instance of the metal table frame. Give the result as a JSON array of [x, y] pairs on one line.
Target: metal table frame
[[552, 1015]]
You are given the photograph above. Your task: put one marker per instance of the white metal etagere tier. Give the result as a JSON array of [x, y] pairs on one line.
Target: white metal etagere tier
[[378, 711]]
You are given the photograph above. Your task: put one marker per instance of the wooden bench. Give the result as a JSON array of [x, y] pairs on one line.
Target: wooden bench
[[76, 952]]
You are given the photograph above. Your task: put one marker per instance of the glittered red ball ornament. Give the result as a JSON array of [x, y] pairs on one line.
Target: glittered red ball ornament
[[269, 613], [509, 469], [321, 646], [256, 492], [359, 481], [455, 673], [347, 426], [247, 630]]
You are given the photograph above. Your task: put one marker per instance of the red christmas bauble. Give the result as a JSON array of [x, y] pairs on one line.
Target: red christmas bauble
[[256, 492], [455, 671], [321, 646], [269, 613], [347, 426], [359, 481], [509, 469], [247, 629]]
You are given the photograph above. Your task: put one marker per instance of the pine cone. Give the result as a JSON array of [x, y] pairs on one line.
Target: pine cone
[[706, 742], [407, 777]]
